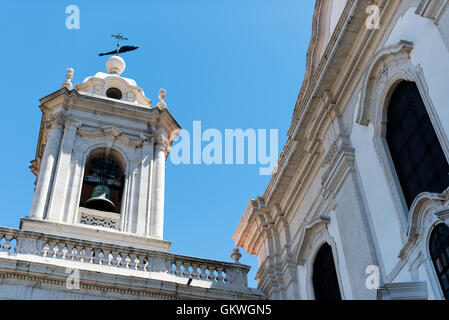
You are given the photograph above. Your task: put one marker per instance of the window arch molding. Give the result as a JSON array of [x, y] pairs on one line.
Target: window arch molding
[[387, 69], [443, 287], [427, 211], [313, 236]]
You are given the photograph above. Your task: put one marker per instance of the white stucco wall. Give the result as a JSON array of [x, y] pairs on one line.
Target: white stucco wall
[[429, 52]]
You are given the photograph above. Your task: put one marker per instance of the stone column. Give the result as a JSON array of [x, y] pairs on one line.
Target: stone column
[[127, 216], [62, 173], [77, 183], [46, 170], [143, 212], [157, 199]]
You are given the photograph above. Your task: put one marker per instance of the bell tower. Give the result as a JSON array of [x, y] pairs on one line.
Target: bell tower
[[100, 161]]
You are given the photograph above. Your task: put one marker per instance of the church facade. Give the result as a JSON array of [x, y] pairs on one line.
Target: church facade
[[95, 229], [358, 204]]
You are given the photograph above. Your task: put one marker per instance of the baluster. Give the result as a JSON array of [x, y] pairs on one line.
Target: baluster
[[203, 274], [69, 255], [100, 258], [134, 261], [142, 261], [51, 251], [115, 258], [90, 255], [178, 270], [194, 271], [211, 276], [186, 272], [106, 258], [171, 268], [83, 255], [77, 253], [219, 274], [226, 274], [59, 253], [45, 250], [97, 255], [7, 244], [124, 263], [64, 252]]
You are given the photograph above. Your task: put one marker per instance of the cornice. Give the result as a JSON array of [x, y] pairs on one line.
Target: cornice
[[310, 83], [91, 284], [88, 285], [114, 108]]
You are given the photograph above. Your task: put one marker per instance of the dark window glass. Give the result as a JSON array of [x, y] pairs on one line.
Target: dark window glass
[[439, 250], [114, 93], [420, 163], [325, 282]]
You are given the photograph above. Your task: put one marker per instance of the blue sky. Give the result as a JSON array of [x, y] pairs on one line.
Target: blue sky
[[227, 63]]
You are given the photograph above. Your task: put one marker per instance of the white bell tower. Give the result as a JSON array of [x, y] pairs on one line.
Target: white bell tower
[[100, 162]]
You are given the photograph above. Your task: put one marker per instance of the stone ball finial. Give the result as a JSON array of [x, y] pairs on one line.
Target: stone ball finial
[[162, 95], [69, 76], [236, 255], [115, 65]]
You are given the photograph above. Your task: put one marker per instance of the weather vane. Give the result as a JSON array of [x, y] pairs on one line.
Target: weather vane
[[119, 49]]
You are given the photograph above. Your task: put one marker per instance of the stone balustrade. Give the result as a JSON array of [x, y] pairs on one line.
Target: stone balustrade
[[227, 276]]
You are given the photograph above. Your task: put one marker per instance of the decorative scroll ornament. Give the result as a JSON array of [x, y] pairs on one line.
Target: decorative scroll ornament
[[382, 76], [162, 142], [55, 120]]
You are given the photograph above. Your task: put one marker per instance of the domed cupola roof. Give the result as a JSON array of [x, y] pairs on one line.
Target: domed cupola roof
[[111, 85]]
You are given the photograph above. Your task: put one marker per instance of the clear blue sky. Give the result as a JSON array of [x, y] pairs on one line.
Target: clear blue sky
[[229, 63]]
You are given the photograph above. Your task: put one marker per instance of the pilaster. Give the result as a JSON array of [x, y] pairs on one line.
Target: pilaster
[[157, 210], [47, 167], [63, 172]]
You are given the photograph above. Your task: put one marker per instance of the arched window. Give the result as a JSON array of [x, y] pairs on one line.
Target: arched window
[[325, 281], [420, 163], [103, 181], [439, 250]]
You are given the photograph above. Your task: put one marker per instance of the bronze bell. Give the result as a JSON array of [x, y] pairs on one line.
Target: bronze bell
[[101, 199]]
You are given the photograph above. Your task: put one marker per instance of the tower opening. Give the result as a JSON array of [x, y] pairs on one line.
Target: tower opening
[[114, 93], [325, 280], [103, 181]]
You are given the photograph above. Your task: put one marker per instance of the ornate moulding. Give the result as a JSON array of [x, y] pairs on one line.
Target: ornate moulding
[[427, 211], [392, 62], [432, 9]]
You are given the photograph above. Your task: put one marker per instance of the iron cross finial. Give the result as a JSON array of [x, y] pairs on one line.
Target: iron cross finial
[[119, 38], [123, 49]]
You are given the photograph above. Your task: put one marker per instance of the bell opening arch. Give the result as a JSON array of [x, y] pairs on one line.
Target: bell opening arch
[[103, 180]]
